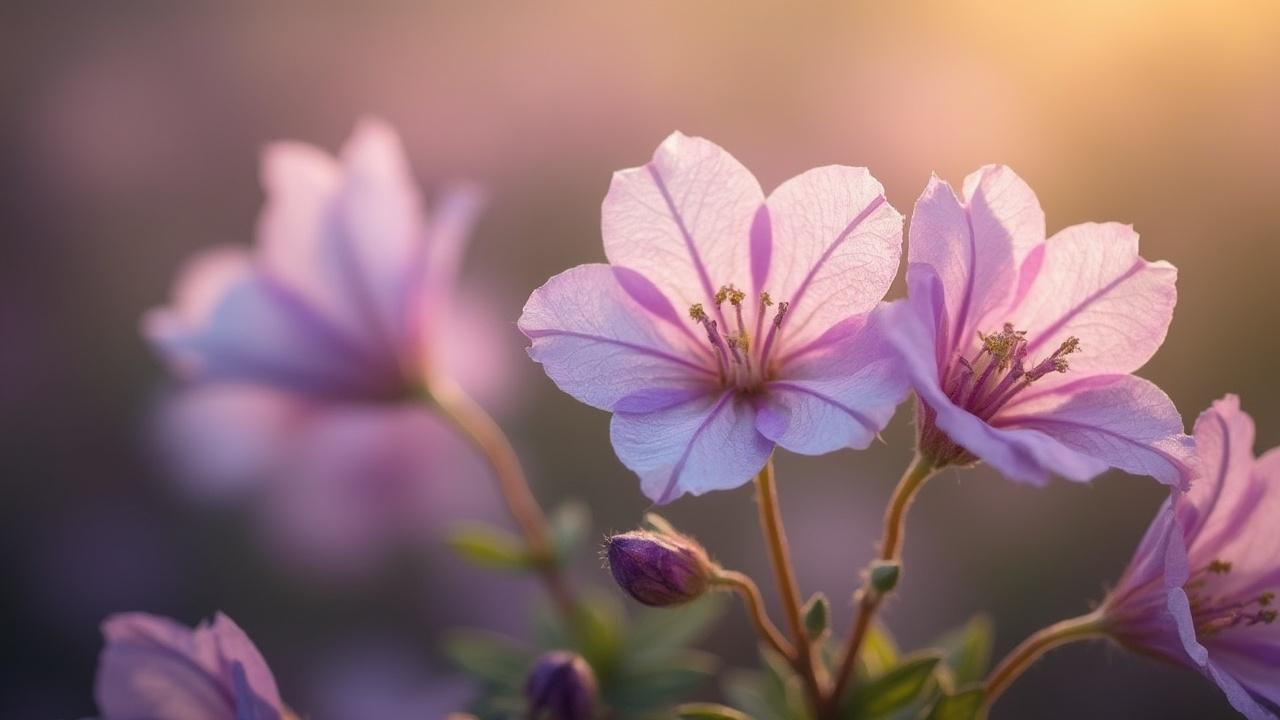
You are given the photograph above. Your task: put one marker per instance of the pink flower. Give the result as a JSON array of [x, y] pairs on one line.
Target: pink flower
[[152, 667], [1202, 588], [726, 323], [1020, 349], [307, 355]]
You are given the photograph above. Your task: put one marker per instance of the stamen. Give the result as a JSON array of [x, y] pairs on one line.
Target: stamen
[[699, 315], [1219, 567]]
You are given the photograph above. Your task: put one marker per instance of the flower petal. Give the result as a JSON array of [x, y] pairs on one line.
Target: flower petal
[[148, 668], [1225, 493], [236, 649], [683, 220], [975, 244], [1123, 420], [1092, 284], [836, 242], [1240, 697], [840, 395], [230, 321], [706, 444], [1020, 454], [600, 345]]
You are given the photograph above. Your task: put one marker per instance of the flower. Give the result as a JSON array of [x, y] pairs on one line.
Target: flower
[[153, 667], [1202, 587], [306, 357], [659, 569], [726, 323], [1020, 349], [561, 686]]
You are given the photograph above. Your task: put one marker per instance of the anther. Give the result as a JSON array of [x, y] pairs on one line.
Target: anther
[[1219, 567]]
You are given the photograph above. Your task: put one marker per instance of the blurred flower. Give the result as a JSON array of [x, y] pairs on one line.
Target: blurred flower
[[152, 667], [561, 686], [308, 355], [790, 356], [660, 570], [1201, 589], [994, 308]]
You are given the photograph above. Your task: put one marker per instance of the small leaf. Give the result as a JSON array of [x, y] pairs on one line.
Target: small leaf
[[639, 690], [895, 688], [490, 547], [493, 658], [708, 711], [569, 525], [879, 652], [817, 613], [598, 630], [968, 649], [964, 705]]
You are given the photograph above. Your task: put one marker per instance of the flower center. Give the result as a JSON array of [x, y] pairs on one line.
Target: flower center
[[998, 371], [1214, 612], [743, 362]]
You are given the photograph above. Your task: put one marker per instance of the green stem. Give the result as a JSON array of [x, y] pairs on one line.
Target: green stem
[[1034, 647], [869, 598]]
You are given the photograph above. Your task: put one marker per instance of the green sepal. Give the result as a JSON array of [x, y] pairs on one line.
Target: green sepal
[[817, 613]]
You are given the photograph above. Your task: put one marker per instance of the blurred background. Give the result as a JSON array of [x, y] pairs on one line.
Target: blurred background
[[130, 138]]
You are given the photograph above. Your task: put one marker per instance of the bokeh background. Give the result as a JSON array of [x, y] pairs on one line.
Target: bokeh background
[[129, 139]]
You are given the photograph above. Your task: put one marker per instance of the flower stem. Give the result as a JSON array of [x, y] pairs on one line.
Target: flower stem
[[869, 598], [1036, 645], [487, 436], [788, 588], [750, 592]]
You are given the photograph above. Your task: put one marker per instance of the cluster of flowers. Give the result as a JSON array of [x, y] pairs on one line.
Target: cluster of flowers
[[726, 324]]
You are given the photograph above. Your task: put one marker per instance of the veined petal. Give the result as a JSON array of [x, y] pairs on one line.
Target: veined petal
[[710, 443], [149, 668], [601, 345], [1225, 492], [683, 220], [1237, 688], [839, 395], [232, 322], [975, 244], [236, 649], [1123, 420], [1092, 284], [836, 243]]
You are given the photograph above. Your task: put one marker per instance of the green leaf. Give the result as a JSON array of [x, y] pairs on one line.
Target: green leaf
[[658, 632], [968, 649], [817, 613], [645, 689], [490, 547], [708, 711], [894, 689], [497, 660], [747, 690], [569, 525], [879, 652], [598, 630], [964, 705]]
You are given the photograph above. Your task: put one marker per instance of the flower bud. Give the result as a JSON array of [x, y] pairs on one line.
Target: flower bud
[[561, 686], [884, 575], [659, 570]]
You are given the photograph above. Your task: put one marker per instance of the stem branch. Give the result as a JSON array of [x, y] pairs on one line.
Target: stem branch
[[1034, 647], [750, 592]]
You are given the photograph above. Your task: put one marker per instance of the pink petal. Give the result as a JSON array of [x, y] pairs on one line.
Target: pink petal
[[433, 290], [233, 323], [149, 668], [706, 444], [840, 395], [975, 244], [1125, 421], [600, 344], [836, 242], [235, 648], [683, 220], [1093, 285]]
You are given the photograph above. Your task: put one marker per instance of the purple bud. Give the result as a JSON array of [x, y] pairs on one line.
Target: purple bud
[[659, 569], [561, 686]]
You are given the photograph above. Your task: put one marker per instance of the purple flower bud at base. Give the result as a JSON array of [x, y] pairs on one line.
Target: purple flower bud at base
[[561, 686], [659, 570]]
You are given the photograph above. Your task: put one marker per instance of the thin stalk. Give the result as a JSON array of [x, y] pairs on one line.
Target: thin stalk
[[1084, 627], [487, 436], [788, 588], [750, 592], [869, 598]]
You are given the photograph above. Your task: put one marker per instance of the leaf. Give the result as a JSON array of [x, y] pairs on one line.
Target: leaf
[[964, 705], [708, 711], [746, 689], [895, 688], [968, 649], [598, 631], [497, 660], [569, 525], [490, 547], [658, 632], [638, 690], [817, 613], [879, 652]]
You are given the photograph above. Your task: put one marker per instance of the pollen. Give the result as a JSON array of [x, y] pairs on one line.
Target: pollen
[[697, 313], [765, 299], [1220, 567]]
